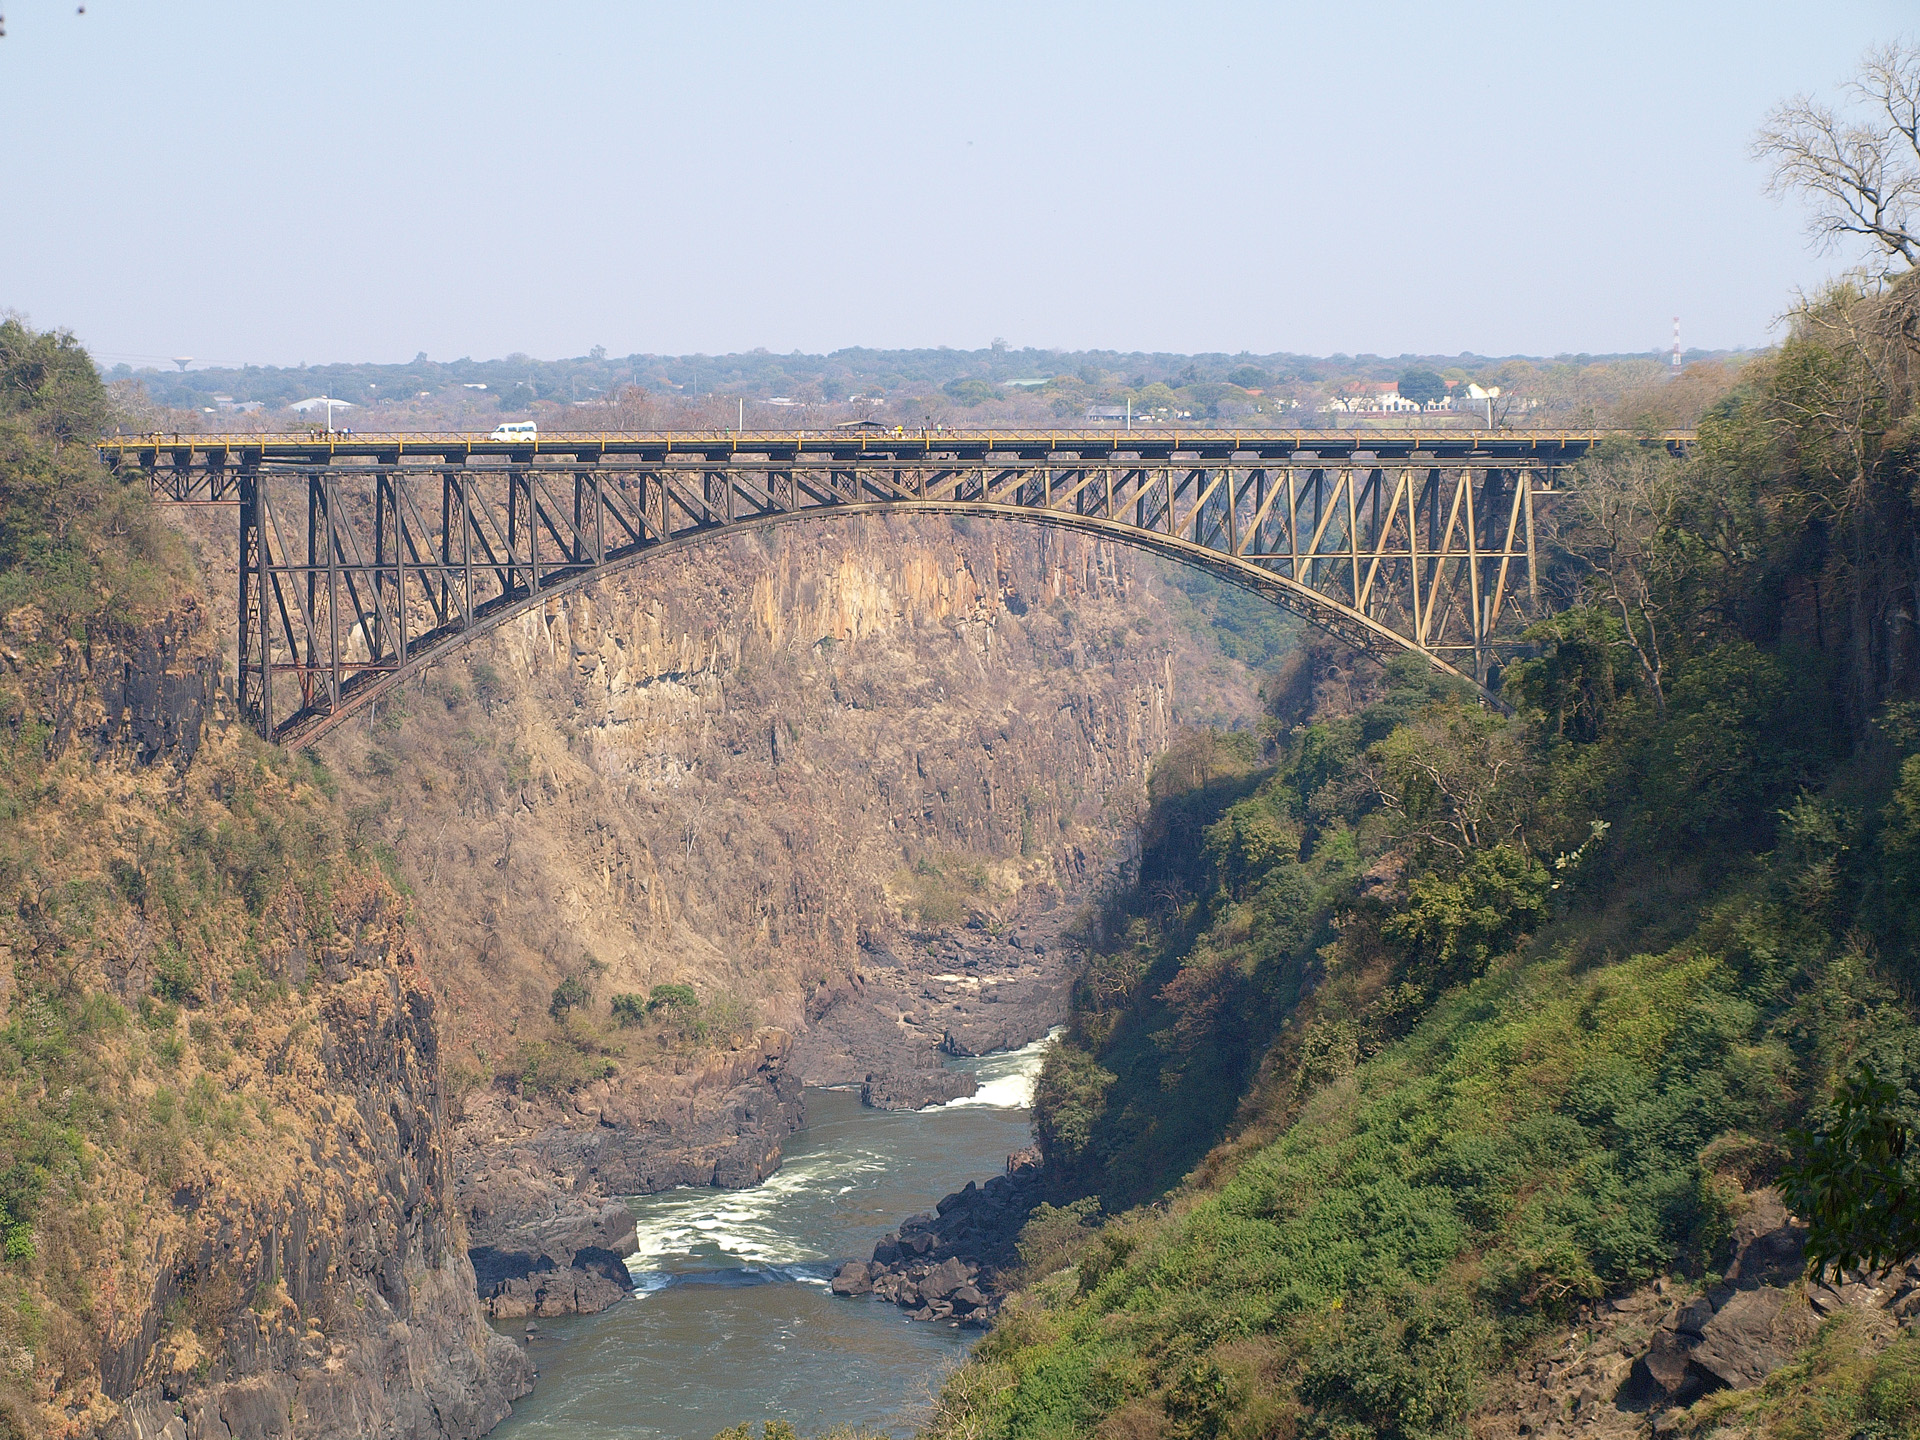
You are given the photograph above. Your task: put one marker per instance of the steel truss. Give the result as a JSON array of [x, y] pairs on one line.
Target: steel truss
[[356, 571]]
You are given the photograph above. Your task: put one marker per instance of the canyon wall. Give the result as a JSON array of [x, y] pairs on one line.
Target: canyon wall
[[227, 1163], [732, 766], [847, 781]]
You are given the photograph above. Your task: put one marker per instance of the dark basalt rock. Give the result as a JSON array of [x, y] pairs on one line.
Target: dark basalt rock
[[1735, 1335], [948, 1265], [917, 1091], [566, 1261]]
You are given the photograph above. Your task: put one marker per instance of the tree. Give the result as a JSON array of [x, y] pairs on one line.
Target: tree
[[970, 391], [1622, 525], [1422, 386], [567, 994], [1851, 1183], [1454, 780], [672, 997], [1860, 172], [48, 379]]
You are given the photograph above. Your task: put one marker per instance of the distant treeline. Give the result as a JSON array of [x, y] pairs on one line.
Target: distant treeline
[[519, 380]]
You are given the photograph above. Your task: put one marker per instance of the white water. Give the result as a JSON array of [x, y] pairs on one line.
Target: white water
[[759, 1229], [1007, 1080], [732, 1319]]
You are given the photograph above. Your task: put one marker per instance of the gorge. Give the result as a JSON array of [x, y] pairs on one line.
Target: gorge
[[632, 996]]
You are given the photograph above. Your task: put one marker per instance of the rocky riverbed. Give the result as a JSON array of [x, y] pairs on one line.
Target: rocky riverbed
[[916, 999], [946, 1264], [539, 1178]]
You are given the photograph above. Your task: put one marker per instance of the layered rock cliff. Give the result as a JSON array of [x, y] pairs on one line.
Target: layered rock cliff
[[844, 781], [227, 1164]]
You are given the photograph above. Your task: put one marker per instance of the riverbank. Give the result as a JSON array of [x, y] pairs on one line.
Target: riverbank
[[732, 1319]]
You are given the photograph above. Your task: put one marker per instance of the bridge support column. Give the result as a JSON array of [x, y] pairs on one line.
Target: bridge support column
[[253, 680]]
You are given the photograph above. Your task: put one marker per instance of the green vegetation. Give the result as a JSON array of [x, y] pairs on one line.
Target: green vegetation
[[1852, 1183], [165, 934], [1422, 1026], [939, 890]]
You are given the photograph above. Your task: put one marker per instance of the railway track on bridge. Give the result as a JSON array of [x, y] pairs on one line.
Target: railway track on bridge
[[364, 558]]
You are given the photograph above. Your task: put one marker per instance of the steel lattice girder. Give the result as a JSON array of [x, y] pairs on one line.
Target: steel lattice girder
[[402, 559]]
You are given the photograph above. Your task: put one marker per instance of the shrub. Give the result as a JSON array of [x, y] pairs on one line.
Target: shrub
[[628, 1010], [1456, 923], [569, 993], [672, 998]]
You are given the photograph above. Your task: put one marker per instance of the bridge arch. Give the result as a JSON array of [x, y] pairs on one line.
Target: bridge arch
[[414, 544], [1329, 616]]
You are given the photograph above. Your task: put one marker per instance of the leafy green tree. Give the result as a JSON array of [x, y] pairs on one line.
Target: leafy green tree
[[1584, 668], [672, 998], [569, 993], [628, 1010], [1422, 386], [48, 379], [1455, 779], [1457, 921], [1249, 377], [1853, 1184], [969, 392]]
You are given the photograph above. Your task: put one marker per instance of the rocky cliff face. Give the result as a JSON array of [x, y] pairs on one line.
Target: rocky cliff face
[[227, 1209], [731, 766], [844, 781]]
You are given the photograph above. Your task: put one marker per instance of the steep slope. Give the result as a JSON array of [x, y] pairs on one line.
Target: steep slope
[[1435, 1073], [843, 782], [224, 1156]]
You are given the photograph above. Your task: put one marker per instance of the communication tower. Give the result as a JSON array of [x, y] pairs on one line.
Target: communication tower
[[1673, 371]]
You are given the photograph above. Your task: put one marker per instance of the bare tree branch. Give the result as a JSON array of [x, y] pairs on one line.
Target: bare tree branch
[[1860, 171]]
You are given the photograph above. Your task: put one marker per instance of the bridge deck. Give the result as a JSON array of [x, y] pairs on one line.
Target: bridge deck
[[1381, 446], [364, 557]]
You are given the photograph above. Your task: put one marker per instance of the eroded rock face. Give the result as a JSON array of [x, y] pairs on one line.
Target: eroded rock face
[[722, 768], [269, 1248], [143, 697], [342, 1291], [916, 1092]]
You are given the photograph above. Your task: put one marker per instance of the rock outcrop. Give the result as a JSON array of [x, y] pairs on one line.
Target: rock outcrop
[[259, 1221], [947, 1265], [917, 1091], [1636, 1363], [540, 1177]]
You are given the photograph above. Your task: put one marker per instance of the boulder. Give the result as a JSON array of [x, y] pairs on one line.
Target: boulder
[[1769, 1245], [918, 1090], [1663, 1376], [945, 1278], [964, 1196], [1752, 1335], [1694, 1317], [852, 1279]]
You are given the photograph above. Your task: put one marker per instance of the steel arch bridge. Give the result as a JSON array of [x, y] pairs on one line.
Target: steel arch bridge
[[365, 558]]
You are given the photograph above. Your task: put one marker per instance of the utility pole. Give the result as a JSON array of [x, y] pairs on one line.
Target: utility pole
[[741, 426], [1129, 414]]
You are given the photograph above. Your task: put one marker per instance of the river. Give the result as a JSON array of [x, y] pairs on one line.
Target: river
[[732, 1321]]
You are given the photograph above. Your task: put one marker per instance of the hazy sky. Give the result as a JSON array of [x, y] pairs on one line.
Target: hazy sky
[[258, 181]]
